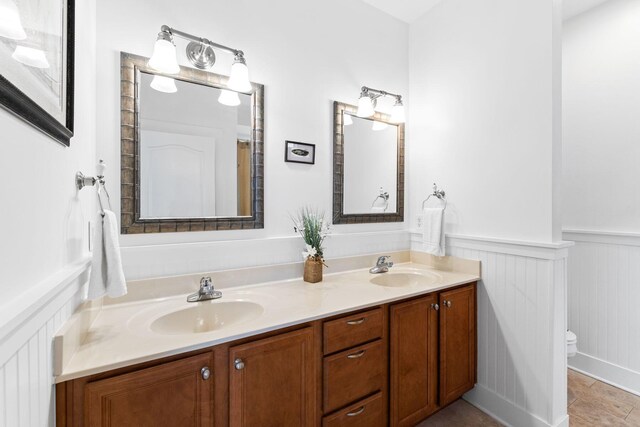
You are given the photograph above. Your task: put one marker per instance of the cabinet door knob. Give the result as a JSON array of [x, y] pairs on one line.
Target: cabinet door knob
[[436, 307], [446, 303], [205, 373], [239, 364], [356, 412]]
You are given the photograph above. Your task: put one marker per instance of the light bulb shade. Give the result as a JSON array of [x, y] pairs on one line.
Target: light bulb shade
[[397, 113], [10, 24], [31, 57], [164, 56], [164, 84], [347, 120], [229, 97], [239, 78], [365, 106], [379, 126]]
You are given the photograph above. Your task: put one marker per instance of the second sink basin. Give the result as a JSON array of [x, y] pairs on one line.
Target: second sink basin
[[206, 316], [405, 278]]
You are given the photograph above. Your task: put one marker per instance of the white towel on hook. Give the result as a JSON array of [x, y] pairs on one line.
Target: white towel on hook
[[107, 276], [433, 231]]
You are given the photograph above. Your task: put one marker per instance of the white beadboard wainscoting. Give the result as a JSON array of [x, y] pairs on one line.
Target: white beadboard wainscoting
[[27, 327], [147, 261], [521, 328], [604, 305]]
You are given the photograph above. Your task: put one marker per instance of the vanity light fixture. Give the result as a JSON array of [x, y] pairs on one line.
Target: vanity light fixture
[[30, 56], [164, 84], [379, 125], [200, 52], [229, 97], [10, 23], [369, 99]]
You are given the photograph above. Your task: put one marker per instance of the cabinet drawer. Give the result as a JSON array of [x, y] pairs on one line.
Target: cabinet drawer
[[352, 330], [353, 374], [368, 412]]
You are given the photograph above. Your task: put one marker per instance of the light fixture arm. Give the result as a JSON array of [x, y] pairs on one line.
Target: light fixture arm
[[207, 42], [377, 93]]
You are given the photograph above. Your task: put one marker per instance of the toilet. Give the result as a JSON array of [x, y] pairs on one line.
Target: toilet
[[572, 344]]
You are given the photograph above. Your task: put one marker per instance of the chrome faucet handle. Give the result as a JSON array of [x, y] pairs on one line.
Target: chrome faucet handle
[[206, 292], [383, 260], [206, 285]]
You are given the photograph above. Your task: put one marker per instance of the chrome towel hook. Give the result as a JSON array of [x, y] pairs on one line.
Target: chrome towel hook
[[84, 181], [439, 194]]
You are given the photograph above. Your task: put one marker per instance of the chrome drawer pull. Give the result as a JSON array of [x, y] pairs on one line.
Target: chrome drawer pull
[[436, 307], [356, 355], [239, 364], [356, 412], [357, 322], [205, 373]]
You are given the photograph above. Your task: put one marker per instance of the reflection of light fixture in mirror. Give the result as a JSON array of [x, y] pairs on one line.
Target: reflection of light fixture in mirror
[[31, 57], [368, 100], [397, 112], [379, 125], [347, 119], [164, 84], [164, 54], [229, 97], [200, 53], [10, 24]]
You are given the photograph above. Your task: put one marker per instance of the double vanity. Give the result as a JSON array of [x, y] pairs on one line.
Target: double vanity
[[357, 349]]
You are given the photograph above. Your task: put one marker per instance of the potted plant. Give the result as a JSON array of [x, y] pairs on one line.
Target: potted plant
[[311, 225]]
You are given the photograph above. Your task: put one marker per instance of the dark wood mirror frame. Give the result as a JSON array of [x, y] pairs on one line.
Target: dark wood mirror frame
[[339, 217], [130, 68]]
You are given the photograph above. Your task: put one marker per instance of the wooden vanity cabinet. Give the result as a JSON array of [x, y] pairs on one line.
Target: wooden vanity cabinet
[[432, 353], [414, 360], [272, 382], [140, 398], [394, 364], [457, 343]]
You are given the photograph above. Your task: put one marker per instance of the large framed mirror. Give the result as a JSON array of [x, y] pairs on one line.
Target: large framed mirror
[[191, 151], [368, 167]]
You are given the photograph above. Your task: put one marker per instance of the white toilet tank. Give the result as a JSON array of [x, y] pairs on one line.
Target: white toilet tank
[[572, 344]]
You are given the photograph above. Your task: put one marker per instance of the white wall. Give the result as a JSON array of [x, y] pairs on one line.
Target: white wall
[[482, 116], [307, 54], [601, 96], [485, 125], [43, 224]]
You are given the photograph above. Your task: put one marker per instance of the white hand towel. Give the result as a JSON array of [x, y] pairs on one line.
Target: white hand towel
[[433, 231], [107, 276]]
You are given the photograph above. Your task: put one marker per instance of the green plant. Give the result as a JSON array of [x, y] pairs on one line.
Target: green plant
[[312, 226]]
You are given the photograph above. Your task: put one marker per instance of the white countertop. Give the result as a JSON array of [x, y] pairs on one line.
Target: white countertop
[[121, 334]]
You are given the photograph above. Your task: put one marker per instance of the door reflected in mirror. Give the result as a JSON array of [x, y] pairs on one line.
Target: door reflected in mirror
[[195, 151], [370, 165]]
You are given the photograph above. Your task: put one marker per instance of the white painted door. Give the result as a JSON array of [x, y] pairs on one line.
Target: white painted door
[[177, 175]]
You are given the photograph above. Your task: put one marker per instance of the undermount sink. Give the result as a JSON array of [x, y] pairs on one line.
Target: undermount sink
[[405, 278], [206, 317]]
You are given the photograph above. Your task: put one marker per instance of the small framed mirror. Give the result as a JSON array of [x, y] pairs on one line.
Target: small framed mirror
[[368, 167], [191, 151]]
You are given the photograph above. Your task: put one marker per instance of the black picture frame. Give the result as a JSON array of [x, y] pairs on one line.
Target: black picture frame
[[291, 157], [17, 102]]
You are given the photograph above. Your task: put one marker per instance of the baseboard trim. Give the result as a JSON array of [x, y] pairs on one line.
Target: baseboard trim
[[511, 415], [607, 372]]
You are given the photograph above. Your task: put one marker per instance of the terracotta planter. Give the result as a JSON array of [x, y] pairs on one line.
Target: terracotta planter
[[313, 270]]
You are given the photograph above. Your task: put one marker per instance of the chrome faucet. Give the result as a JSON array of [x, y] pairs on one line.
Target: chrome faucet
[[382, 265], [206, 291]]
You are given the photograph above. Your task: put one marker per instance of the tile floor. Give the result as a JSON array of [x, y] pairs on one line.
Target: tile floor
[[591, 403]]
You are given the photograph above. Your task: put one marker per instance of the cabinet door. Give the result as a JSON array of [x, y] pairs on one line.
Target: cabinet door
[[457, 343], [177, 393], [273, 381], [414, 360]]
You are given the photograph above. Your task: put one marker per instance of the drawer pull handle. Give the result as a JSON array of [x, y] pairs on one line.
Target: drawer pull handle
[[356, 412], [357, 322], [356, 355]]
